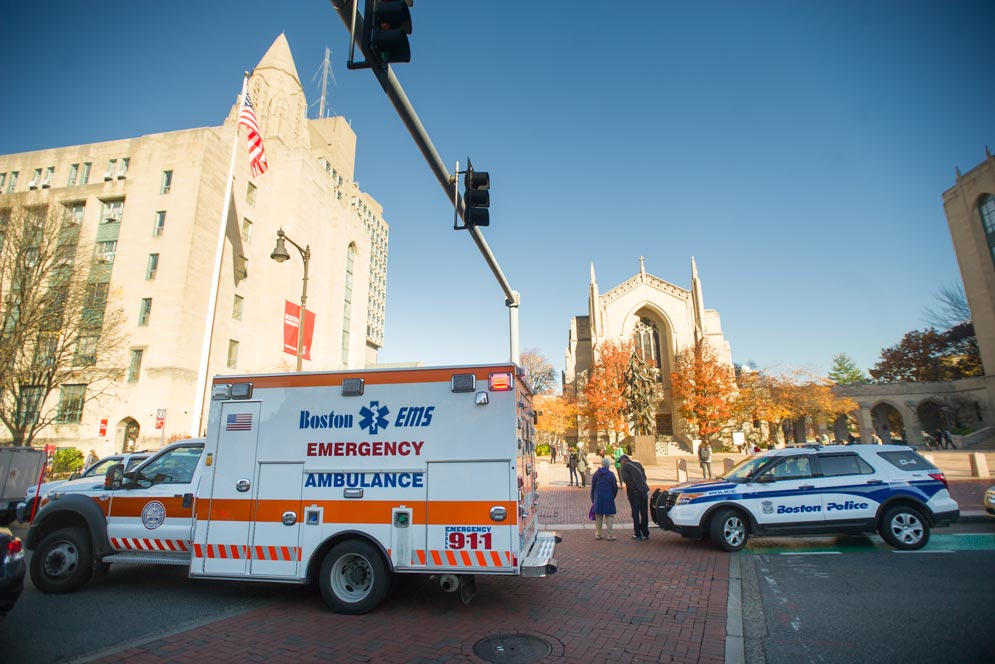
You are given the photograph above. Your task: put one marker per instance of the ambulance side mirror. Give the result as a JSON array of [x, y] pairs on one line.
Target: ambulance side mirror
[[114, 477]]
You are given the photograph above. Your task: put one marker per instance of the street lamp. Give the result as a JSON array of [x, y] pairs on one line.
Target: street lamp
[[279, 255]]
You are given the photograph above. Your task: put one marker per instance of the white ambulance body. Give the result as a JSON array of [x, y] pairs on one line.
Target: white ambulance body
[[344, 477]]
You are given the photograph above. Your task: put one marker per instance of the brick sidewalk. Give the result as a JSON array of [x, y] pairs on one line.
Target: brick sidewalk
[[625, 601]]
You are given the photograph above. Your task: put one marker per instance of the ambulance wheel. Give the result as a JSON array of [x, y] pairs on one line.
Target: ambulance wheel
[[729, 530], [354, 578], [62, 562], [904, 528]]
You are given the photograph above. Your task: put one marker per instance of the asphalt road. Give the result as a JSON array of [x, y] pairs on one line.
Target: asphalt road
[[841, 600]]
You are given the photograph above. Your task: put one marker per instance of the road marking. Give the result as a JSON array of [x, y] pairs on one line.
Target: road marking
[[927, 551], [810, 553]]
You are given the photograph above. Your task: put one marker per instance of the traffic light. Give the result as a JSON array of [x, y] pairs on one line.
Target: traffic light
[[389, 27], [476, 197]]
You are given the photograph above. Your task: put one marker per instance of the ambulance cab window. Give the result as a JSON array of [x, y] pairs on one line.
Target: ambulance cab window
[[174, 467]]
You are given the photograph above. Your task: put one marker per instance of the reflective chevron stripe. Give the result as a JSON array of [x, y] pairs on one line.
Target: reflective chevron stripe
[[243, 552]]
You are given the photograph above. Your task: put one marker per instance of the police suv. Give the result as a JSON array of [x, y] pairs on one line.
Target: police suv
[[888, 489]]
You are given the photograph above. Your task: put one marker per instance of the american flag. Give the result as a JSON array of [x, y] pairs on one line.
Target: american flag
[[239, 422], [257, 153]]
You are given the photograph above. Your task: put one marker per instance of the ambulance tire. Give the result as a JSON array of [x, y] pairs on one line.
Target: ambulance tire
[[63, 562], [354, 577]]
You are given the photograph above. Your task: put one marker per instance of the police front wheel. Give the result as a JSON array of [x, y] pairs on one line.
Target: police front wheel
[[904, 528], [729, 530], [354, 577], [63, 561]]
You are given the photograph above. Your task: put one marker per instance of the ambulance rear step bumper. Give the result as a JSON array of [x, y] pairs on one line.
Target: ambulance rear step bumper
[[540, 560], [148, 558]]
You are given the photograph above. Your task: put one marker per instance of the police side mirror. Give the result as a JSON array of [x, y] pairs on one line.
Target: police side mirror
[[114, 477], [74, 476]]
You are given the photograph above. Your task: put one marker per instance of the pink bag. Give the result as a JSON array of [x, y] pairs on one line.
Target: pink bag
[[590, 514]]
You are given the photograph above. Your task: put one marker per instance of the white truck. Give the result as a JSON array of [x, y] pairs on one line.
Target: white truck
[[20, 467], [345, 478]]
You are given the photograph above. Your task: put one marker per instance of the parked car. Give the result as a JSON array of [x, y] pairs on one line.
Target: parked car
[[12, 570], [888, 489], [95, 472], [990, 500]]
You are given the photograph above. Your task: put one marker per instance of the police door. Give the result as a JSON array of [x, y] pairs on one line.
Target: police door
[[789, 494], [226, 549]]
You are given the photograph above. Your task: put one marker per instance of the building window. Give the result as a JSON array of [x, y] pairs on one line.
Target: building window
[[74, 213], [122, 171], [250, 194], [232, 354], [35, 180], [111, 167], [347, 303], [135, 368], [160, 223], [73, 174], [3, 180], [13, 182], [144, 312], [71, 404], [96, 295], [29, 403], [236, 307], [152, 267], [647, 341], [85, 179], [167, 182], [105, 251], [246, 231], [986, 208], [86, 350], [49, 174], [112, 211]]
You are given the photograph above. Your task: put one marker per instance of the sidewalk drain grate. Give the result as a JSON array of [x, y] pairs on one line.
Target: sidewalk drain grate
[[511, 649]]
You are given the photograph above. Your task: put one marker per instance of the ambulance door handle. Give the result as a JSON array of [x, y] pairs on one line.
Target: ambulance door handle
[[498, 513], [289, 518], [242, 485]]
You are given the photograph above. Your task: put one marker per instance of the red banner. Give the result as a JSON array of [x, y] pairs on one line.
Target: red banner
[[291, 322]]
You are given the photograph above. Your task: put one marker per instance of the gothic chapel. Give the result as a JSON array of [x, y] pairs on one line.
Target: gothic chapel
[[660, 318]]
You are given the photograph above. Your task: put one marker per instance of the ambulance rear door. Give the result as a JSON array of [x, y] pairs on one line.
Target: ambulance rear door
[[226, 548], [471, 516]]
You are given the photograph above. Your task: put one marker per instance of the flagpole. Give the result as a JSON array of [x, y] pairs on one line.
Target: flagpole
[[197, 416]]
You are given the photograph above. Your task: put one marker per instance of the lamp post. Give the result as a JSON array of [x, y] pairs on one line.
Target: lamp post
[[280, 255]]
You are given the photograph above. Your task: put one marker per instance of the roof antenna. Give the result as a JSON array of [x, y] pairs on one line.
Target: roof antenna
[[326, 72]]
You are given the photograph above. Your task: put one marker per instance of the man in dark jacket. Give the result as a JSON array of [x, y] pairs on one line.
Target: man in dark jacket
[[638, 491]]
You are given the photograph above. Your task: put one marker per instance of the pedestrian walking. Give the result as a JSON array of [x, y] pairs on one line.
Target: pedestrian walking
[[582, 467], [603, 492], [705, 459], [572, 466], [552, 453], [875, 438], [637, 491], [948, 439], [91, 459]]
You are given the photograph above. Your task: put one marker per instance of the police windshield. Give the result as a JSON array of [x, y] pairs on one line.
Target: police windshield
[[747, 469]]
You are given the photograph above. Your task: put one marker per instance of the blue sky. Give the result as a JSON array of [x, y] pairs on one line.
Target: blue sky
[[798, 150]]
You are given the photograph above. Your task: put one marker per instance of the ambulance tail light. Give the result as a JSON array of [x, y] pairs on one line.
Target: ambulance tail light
[[501, 382], [940, 477]]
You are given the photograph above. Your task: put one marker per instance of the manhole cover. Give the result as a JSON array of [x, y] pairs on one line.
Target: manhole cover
[[511, 648]]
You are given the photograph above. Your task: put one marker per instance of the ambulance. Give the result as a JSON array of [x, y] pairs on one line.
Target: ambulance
[[343, 478]]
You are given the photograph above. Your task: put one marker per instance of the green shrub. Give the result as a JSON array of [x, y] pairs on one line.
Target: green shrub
[[542, 450], [67, 460]]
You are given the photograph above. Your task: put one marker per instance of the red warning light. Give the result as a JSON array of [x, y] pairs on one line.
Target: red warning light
[[500, 382]]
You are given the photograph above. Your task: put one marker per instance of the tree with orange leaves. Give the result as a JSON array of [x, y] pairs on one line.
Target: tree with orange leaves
[[704, 387], [604, 403], [557, 415]]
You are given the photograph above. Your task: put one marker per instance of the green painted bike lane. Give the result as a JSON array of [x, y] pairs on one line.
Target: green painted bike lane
[[857, 544]]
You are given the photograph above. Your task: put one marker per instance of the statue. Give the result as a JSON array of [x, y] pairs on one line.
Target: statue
[[641, 393]]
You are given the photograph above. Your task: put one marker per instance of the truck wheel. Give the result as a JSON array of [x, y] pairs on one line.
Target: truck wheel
[[354, 578], [62, 562], [729, 531], [904, 528]]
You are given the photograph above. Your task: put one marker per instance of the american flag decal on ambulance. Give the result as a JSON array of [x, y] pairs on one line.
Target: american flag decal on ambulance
[[239, 422]]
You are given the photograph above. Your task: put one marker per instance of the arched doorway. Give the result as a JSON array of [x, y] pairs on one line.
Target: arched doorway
[[932, 416], [126, 434], [888, 423]]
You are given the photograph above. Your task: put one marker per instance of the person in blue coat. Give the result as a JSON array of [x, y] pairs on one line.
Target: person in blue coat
[[604, 488]]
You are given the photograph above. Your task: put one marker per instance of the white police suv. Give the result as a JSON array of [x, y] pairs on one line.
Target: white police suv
[[888, 489]]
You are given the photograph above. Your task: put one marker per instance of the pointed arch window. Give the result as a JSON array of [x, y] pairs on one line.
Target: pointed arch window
[[647, 340], [986, 207]]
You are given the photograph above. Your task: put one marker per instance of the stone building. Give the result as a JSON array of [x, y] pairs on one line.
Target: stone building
[[660, 318], [149, 210]]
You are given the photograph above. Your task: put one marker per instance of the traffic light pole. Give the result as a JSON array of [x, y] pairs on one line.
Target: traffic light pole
[[392, 87]]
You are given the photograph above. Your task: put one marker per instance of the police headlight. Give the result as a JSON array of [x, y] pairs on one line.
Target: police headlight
[[686, 498]]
